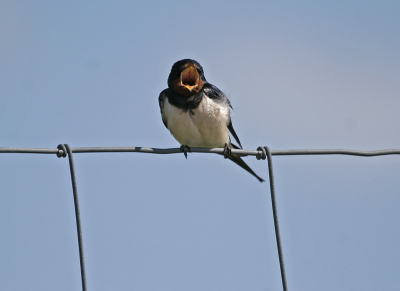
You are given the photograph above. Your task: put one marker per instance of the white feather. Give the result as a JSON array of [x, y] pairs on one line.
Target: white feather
[[207, 127]]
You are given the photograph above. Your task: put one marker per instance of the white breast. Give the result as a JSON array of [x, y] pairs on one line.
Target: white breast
[[207, 127]]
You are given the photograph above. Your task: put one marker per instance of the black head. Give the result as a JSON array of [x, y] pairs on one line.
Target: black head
[[186, 77]]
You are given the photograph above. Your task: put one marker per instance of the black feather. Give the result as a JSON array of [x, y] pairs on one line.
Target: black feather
[[232, 131], [161, 100], [238, 161]]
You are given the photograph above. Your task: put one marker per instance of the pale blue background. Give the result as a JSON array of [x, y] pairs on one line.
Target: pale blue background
[[299, 76]]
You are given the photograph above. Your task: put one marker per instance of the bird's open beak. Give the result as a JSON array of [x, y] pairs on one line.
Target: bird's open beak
[[190, 77]]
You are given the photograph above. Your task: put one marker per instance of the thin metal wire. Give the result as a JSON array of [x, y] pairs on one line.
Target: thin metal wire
[[336, 152], [276, 222], [29, 150], [260, 153], [77, 213], [202, 150]]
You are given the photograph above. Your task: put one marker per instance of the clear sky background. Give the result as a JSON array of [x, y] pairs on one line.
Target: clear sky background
[[299, 74]]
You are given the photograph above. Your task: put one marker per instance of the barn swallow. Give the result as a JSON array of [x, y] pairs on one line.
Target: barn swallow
[[197, 113]]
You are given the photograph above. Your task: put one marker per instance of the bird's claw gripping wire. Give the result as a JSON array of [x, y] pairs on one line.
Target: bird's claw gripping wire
[[185, 149], [227, 151]]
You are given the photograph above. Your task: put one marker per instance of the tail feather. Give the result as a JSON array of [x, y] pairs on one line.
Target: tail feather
[[238, 160]]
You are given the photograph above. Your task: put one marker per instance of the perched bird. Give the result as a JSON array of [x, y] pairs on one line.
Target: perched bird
[[197, 113]]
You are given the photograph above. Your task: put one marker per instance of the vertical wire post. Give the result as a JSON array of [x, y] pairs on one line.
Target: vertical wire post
[[77, 212], [276, 222]]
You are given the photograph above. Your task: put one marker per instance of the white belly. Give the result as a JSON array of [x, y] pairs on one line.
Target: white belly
[[207, 127]]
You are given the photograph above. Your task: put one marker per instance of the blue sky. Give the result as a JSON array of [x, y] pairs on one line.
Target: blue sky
[[299, 76]]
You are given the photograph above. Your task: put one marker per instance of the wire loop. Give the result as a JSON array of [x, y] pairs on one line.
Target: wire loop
[[62, 151], [262, 153]]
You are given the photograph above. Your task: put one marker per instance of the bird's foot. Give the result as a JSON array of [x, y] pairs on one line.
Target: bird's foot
[[227, 151], [185, 149]]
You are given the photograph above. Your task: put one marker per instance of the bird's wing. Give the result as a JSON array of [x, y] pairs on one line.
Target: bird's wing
[[215, 94], [161, 102], [232, 131]]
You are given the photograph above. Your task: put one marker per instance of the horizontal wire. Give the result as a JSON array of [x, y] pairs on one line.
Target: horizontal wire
[[201, 150], [336, 152], [29, 150]]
